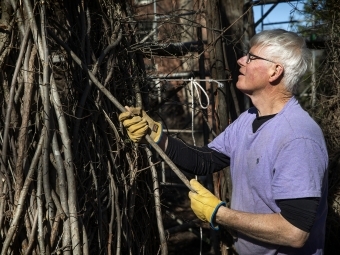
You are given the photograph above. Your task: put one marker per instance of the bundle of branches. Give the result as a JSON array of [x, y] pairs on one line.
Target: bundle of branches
[[70, 181]]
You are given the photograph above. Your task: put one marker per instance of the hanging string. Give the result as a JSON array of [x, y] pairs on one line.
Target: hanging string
[[193, 112], [195, 85]]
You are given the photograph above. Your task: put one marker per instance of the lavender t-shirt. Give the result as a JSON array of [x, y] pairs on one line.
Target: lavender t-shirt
[[285, 158]]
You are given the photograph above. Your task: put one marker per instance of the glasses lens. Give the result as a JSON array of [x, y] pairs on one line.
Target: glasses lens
[[248, 58]]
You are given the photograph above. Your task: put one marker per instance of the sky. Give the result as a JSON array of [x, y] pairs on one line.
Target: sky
[[281, 13]]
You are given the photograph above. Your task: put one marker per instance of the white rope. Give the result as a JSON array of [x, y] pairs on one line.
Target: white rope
[[193, 110], [218, 82], [196, 85]]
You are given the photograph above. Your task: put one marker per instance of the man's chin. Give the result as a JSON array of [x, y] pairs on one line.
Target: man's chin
[[244, 90]]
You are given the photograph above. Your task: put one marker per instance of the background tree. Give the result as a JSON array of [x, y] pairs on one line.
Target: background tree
[[324, 16]]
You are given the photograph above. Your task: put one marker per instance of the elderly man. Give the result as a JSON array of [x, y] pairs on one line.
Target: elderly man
[[276, 152]]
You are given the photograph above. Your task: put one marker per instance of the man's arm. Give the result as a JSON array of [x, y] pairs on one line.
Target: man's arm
[[270, 228], [196, 160]]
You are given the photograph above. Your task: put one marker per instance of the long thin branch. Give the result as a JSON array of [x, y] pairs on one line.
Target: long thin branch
[[117, 210], [10, 106], [41, 235], [45, 91], [162, 238], [60, 215], [23, 194], [71, 182], [122, 109], [62, 184], [99, 209], [32, 234], [22, 138], [34, 28]]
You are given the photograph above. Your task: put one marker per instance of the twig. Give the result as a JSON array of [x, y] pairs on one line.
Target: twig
[[32, 234], [41, 235]]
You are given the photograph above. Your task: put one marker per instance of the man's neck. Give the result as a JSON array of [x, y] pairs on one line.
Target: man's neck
[[271, 104]]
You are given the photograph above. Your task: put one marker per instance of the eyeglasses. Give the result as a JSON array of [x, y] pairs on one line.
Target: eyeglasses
[[251, 57]]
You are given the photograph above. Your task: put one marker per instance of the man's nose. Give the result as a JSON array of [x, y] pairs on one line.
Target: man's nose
[[242, 61]]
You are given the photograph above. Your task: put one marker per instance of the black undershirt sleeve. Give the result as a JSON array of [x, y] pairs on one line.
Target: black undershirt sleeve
[[195, 160], [300, 212]]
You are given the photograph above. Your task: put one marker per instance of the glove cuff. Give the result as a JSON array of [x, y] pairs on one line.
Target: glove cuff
[[156, 132], [213, 215]]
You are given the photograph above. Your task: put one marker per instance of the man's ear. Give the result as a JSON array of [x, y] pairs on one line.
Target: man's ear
[[277, 73]]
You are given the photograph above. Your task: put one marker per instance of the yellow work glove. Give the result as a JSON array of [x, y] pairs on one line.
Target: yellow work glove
[[204, 203], [138, 124]]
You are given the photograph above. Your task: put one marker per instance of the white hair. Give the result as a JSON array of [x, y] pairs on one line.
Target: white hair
[[288, 49]]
